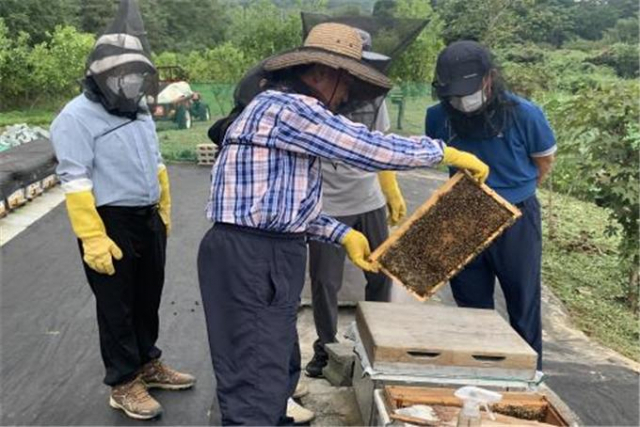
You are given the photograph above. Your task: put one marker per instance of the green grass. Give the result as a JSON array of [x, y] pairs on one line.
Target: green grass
[[180, 144], [580, 265], [36, 117]]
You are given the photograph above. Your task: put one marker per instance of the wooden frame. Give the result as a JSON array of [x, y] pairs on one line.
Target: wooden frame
[[422, 210], [396, 397]]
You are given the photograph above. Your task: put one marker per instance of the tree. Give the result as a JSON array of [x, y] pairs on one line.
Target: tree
[[38, 18], [591, 18], [417, 63], [599, 130]]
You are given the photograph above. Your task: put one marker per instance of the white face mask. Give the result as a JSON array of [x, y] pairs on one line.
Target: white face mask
[[469, 103]]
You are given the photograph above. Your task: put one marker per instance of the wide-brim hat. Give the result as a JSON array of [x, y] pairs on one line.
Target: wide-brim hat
[[337, 46]]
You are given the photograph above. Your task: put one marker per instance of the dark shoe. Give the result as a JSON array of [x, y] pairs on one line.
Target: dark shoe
[[316, 365]]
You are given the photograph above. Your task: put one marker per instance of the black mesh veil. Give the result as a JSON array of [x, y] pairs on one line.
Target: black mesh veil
[[389, 36], [386, 38], [120, 64]]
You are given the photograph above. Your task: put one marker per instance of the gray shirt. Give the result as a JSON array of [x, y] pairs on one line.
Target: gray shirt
[[347, 190], [114, 156]]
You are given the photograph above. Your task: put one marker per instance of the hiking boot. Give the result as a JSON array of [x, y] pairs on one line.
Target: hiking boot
[[156, 374], [299, 413], [134, 400], [315, 365], [300, 391]]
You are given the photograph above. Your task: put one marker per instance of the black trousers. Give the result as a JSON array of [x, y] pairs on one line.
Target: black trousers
[[251, 282], [515, 259], [127, 303], [326, 267]]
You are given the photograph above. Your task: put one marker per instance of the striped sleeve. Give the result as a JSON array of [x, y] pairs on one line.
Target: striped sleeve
[[309, 128], [327, 229]]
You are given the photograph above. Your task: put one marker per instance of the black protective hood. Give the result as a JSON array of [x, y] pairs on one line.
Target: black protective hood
[[119, 71]]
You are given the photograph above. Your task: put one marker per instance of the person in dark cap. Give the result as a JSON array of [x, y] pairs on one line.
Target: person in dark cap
[[478, 114], [265, 202], [119, 203]]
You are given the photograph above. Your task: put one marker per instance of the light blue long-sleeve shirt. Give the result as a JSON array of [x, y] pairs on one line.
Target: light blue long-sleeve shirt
[[116, 158]]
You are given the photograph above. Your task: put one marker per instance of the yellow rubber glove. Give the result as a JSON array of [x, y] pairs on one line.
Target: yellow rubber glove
[[463, 160], [395, 201], [88, 226], [357, 247], [164, 204]]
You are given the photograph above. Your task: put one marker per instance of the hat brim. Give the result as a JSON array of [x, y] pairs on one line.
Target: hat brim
[[308, 55], [460, 87]]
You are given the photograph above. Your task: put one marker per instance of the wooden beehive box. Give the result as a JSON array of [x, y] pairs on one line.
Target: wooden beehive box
[[515, 408], [442, 341], [444, 234]]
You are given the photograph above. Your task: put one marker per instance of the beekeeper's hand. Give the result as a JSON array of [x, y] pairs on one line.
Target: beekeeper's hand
[[357, 247], [463, 160], [98, 254], [98, 248]]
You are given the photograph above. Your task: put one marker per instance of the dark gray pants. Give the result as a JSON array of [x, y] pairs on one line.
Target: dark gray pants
[[326, 268], [250, 282]]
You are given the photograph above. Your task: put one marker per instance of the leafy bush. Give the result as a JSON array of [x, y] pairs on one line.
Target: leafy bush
[[599, 148], [46, 72], [621, 57]]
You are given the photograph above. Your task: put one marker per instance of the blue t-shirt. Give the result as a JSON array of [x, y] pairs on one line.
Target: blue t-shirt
[[513, 174]]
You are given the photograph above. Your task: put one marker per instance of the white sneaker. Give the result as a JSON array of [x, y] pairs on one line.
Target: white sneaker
[[301, 390], [300, 414]]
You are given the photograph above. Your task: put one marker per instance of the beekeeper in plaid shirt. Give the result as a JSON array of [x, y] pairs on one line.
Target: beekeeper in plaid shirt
[[265, 204]]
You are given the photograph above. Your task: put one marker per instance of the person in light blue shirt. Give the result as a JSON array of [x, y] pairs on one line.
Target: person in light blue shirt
[[119, 204], [511, 135]]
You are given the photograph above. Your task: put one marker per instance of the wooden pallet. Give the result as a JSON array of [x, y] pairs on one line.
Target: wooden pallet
[[206, 154], [456, 238], [33, 190], [16, 199], [49, 182]]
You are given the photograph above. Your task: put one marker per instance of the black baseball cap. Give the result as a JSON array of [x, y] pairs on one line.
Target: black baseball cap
[[460, 68]]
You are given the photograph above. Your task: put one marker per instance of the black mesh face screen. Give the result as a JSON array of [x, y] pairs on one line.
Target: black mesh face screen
[[389, 36]]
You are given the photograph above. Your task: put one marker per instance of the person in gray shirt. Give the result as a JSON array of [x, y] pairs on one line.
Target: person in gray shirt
[[118, 200], [358, 199]]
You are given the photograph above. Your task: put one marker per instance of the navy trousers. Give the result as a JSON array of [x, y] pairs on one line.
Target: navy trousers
[[515, 259], [251, 282]]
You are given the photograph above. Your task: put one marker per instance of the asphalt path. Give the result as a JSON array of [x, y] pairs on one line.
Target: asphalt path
[[51, 372]]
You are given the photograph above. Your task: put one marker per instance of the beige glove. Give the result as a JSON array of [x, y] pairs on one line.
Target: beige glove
[[98, 248], [164, 204], [395, 201], [357, 247], [463, 160]]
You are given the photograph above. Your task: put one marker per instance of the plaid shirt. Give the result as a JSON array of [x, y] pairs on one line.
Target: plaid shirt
[[268, 173]]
